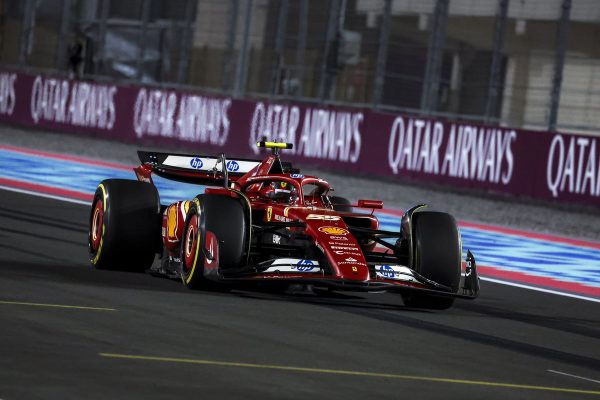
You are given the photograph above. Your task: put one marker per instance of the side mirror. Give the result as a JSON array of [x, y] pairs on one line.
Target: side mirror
[[378, 204]]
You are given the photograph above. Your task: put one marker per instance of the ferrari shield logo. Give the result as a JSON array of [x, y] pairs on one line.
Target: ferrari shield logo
[[269, 213], [333, 230]]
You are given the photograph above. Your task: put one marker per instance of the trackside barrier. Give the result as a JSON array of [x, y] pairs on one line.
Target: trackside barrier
[[552, 166]]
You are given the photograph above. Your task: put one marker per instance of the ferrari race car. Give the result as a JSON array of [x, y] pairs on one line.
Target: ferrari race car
[[264, 223]]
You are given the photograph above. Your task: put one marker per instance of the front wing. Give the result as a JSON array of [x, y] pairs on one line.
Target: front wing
[[391, 278]]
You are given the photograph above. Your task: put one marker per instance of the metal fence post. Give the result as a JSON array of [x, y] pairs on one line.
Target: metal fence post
[[435, 52], [495, 84], [228, 59], [101, 54], [145, 11], [301, 49], [562, 36], [279, 44], [241, 74], [26, 40], [332, 31], [65, 24], [186, 48], [380, 69]]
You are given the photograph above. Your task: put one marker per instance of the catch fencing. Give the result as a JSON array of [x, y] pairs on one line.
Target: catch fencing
[[527, 64]]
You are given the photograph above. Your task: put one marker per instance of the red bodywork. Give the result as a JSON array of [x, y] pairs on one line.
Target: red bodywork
[[346, 260]]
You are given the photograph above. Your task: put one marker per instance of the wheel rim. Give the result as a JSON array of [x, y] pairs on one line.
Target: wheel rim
[[190, 243], [97, 223]]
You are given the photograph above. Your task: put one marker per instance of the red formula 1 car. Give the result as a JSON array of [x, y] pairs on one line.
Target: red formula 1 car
[[262, 222]]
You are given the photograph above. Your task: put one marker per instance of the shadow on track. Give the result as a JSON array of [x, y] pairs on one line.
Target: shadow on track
[[83, 274], [578, 326], [25, 216], [408, 317], [44, 237], [485, 339]]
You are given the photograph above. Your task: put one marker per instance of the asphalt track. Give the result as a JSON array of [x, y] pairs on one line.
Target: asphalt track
[[70, 332]]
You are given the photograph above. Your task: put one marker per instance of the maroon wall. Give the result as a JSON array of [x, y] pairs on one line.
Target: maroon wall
[[560, 167]]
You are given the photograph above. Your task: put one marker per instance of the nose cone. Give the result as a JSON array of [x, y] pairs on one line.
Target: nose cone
[[353, 271], [341, 248]]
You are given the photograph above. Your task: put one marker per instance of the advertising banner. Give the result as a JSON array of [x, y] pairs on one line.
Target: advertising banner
[[551, 166]]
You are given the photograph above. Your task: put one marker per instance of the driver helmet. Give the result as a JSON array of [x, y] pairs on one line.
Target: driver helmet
[[281, 192]]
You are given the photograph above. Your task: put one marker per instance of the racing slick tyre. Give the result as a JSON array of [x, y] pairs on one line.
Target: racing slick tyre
[[437, 257], [224, 221], [341, 204], [125, 224]]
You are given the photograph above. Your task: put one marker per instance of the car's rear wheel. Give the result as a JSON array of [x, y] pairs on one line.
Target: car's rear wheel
[[124, 226], [215, 240], [437, 257]]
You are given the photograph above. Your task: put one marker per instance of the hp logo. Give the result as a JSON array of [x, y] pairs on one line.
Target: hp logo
[[305, 265], [387, 271], [232, 166], [196, 163]]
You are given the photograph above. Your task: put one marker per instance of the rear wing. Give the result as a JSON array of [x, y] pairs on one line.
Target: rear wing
[[190, 168]]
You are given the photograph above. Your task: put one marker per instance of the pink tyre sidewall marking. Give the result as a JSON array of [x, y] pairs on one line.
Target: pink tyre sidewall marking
[[97, 224], [190, 243]]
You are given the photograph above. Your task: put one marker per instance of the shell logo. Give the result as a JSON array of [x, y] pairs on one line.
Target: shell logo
[[172, 222], [333, 230]]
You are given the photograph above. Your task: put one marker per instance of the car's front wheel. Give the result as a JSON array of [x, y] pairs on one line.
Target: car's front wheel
[[437, 257], [341, 204], [216, 235]]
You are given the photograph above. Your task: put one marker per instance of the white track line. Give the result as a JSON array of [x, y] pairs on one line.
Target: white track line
[[49, 196], [573, 376], [519, 285]]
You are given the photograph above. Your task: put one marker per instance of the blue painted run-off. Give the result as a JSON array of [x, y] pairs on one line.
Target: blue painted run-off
[[514, 253]]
